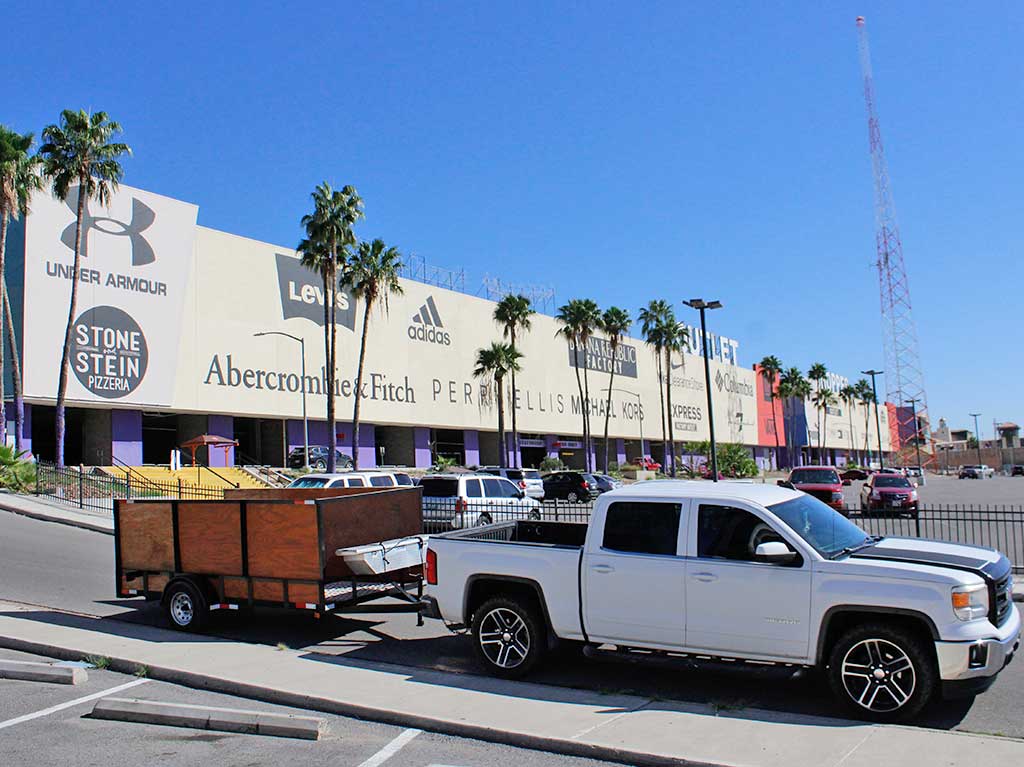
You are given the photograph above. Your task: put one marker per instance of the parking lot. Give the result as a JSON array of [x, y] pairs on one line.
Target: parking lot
[[34, 729]]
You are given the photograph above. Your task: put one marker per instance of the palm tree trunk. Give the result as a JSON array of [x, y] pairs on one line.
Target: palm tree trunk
[[608, 405], [821, 434], [853, 448], [661, 400], [19, 402], [499, 384], [588, 454], [670, 456], [3, 296], [579, 385], [332, 424], [327, 344], [65, 357], [359, 387], [517, 459], [775, 425]]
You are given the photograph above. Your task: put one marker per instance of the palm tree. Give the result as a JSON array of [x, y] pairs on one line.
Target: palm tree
[[18, 180], [579, 319], [818, 373], [372, 275], [866, 395], [590, 323], [792, 385], [80, 151], [328, 237], [513, 313], [615, 322], [771, 369], [652, 326], [495, 362], [675, 337], [823, 399], [848, 394]]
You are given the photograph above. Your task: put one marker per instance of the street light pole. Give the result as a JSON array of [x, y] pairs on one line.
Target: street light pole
[[878, 424], [917, 434], [977, 435], [305, 417], [701, 305]]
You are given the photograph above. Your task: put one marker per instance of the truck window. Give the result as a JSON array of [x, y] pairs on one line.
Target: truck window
[[382, 480], [642, 528], [725, 532], [356, 482], [473, 489], [492, 488], [439, 488]]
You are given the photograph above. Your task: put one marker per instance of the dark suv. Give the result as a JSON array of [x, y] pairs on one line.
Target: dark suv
[[318, 458], [571, 486]]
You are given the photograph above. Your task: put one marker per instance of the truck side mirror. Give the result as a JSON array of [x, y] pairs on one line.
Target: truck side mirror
[[775, 552]]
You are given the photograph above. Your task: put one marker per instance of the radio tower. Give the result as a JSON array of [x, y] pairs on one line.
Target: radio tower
[[903, 375]]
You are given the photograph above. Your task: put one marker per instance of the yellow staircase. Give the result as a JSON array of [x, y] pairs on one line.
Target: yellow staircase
[[225, 477]]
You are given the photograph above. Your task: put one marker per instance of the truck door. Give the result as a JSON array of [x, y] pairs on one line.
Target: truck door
[[634, 578], [736, 604]]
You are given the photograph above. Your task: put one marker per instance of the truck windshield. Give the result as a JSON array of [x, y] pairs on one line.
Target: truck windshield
[[826, 530], [814, 477]]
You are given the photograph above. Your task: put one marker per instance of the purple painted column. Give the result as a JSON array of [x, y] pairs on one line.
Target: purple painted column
[[220, 426], [367, 445], [471, 446], [510, 453], [26, 437], [549, 445], [620, 452], [421, 445], [126, 436]]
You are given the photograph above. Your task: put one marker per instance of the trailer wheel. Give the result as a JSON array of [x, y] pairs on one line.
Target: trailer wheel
[[186, 607], [509, 636]]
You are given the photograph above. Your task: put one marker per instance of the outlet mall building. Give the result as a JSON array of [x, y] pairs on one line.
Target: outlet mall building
[[166, 346]]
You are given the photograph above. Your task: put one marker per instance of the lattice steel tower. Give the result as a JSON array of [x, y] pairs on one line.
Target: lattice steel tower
[[903, 374]]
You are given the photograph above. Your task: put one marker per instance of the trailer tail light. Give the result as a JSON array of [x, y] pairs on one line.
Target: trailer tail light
[[431, 567]]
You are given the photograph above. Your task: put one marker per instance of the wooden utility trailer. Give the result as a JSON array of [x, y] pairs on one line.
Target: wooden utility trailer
[[269, 547]]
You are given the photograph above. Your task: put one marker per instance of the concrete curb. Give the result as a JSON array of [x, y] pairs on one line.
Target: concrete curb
[[209, 718], [28, 671], [60, 520], [460, 729]]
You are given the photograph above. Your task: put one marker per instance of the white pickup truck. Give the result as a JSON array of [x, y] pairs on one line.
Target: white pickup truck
[[737, 571]]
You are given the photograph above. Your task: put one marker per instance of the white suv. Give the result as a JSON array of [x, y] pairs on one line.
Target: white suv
[[527, 479], [468, 500], [354, 479]]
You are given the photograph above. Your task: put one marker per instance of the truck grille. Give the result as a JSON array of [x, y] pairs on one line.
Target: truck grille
[[821, 495], [1002, 601]]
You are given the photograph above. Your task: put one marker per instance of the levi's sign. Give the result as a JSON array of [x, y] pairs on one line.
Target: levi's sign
[[302, 294]]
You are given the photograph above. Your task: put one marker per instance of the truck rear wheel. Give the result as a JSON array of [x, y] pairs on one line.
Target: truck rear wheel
[[186, 607], [881, 672], [508, 636]]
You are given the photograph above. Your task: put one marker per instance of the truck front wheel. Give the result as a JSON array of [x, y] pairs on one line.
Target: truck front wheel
[[508, 636], [881, 672], [186, 607]]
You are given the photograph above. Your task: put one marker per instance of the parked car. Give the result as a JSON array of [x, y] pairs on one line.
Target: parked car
[[527, 479], [854, 475], [606, 483], [822, 482], [454, 501], [1017, 471], [976, 471], [646, 463], [887, 492], [353, 479], [913, 471], [571, 486], [317, 458], [739, 571]]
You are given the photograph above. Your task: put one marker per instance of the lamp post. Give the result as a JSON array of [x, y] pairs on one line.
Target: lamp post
[[977, 435], [640, 412], [701, 305], [305, 419], [878, 424], [917, 434]]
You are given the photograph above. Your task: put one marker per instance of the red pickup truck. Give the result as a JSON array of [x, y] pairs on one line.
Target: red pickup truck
[[823, 482]]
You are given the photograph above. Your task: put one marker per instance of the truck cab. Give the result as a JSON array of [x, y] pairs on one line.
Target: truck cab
[[739, 571]]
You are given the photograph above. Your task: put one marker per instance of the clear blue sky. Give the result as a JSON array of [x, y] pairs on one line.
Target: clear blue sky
[[621, 152]]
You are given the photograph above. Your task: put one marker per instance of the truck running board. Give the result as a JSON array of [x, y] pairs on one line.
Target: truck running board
[[646, 656]]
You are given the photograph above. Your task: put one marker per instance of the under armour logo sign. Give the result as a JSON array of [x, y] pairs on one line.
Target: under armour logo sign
[[142, 218]]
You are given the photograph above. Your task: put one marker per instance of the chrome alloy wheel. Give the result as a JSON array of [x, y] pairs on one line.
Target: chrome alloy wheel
[[182, 609], [504, 638], [878, 675]]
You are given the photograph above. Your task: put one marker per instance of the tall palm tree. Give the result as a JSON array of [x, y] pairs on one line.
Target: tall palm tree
[[80, 151], [19, 178], [848, 395], [372, 275], [513, 313], [866, 395], [771, 369], [792, 386], [615, 322], [590, 323], [495, 362], [652, 326], [325, 248], [675, 337], [577, 326], [823, 399], [818, 373]]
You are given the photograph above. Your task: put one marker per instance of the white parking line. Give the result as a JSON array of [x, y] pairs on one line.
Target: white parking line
[[70, 703], [391, 748]]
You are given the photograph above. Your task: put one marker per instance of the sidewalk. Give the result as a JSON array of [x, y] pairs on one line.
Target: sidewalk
[[39, 507], [624, 728]]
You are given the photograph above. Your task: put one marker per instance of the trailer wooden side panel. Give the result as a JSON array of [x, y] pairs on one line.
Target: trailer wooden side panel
[[210, 537], [283, 541], [146, 536], [293, 493], [354, 520]]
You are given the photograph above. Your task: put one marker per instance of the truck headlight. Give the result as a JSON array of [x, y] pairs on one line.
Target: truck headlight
[[970, 602], [837, 495]]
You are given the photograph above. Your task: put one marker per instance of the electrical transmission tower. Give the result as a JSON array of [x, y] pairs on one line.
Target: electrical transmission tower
[[903, 374]]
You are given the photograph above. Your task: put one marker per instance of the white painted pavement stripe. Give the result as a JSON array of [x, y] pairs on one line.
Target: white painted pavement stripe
[[391, 748], [70, 703]]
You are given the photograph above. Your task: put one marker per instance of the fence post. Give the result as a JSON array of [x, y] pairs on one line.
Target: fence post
[[917, 523], [179, 488], [37, 478], [81, 483]]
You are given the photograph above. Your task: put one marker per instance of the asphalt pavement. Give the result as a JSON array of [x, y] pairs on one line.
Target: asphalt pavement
[[70, 569], [69, 736]]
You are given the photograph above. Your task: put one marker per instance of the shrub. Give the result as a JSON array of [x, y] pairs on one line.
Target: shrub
[[551, 464], [15, 472]]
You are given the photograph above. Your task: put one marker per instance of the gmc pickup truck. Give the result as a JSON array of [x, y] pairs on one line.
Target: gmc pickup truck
[[736, 571]]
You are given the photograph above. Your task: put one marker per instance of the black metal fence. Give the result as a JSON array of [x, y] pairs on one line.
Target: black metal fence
[[446, 514], [90, 489]]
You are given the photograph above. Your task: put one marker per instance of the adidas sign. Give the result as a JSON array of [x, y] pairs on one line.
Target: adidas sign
[[427, 326]]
